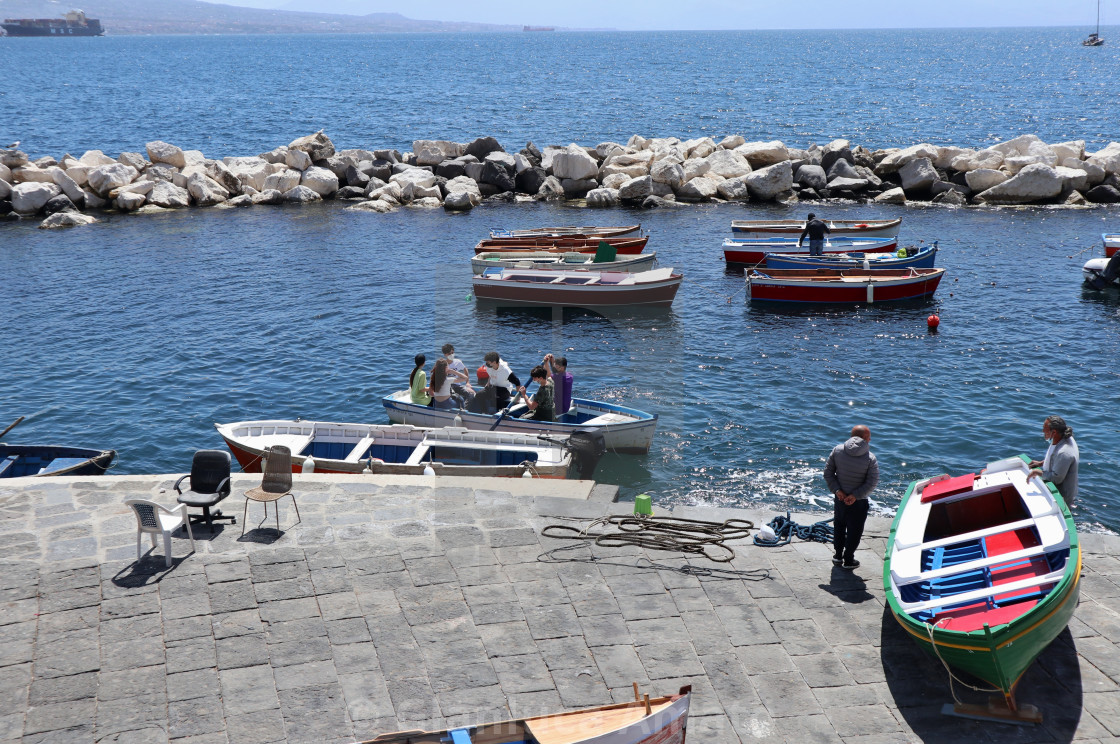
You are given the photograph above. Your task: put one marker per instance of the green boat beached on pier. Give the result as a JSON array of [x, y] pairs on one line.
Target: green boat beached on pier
[[983, 571]]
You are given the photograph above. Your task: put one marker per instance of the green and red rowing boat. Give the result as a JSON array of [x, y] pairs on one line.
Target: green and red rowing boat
[[983, 571]]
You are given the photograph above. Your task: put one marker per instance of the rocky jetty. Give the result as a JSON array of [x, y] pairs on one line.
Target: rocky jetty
[[656, 172]]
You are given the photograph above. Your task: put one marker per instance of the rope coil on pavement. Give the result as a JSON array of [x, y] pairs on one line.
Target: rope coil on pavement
[[785, 529], [675, 534]]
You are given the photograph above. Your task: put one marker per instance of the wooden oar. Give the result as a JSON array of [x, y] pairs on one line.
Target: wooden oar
[[512, 403], [14, 425]]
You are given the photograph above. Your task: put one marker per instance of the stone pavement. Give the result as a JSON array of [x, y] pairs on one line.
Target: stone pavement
[[400, 604]]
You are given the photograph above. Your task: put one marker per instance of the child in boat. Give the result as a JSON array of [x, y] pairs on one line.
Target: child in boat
[[542, 406], [418, 382]]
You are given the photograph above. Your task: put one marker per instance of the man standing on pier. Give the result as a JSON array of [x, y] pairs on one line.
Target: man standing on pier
[[816, 230], [852, 472]]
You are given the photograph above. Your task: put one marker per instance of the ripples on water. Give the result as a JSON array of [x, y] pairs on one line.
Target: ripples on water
[[141, 332]]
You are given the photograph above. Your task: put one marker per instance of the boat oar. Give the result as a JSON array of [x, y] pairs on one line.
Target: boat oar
[[512, 403], [14, 425]]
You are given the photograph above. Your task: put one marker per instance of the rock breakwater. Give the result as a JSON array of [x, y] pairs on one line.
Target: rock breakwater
[[655, 172]]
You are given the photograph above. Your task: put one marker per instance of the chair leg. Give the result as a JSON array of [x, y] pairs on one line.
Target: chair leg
[[153, 536], [139, 543], [190, 533], [166, 548], [276, 508], [244, 515], [298, 517]]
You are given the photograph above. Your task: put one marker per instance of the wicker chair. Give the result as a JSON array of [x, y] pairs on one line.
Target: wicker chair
[[276, 483]]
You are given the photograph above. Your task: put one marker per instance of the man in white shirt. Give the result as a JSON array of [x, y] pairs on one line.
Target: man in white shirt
[[501, 376]]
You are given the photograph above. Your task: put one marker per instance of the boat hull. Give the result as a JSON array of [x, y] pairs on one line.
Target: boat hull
[[771, 287], [748, 229], [651, 294], [625, 430], [1111, 244], [44, 460], [754, 252], [622, 246], [555, 261], [999, 655], [582, 231], [923, 259]]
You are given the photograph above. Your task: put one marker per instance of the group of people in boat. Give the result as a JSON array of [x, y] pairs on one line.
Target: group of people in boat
[[448, 385]]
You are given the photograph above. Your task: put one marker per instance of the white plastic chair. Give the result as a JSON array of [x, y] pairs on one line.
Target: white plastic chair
[[156, 519]]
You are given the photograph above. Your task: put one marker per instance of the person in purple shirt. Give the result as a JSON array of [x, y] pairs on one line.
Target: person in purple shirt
[[557, 368]]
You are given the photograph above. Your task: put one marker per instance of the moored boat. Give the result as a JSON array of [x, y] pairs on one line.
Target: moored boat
[[904, 258], [626, 246], [624, 429], [1102, 273], [1111, 244], [584, 231], [570, 260], [861, 228], [753, 252], [36, 460], [661, 720], [581, 288], [842, 286], [983, 571], [398, 449]]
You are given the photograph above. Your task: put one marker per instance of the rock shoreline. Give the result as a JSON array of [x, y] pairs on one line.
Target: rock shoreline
[[650, 173]]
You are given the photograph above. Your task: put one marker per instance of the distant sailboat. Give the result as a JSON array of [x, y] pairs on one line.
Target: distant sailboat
[[1095, 37]]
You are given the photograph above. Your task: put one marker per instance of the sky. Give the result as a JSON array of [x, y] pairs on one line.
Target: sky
[[726, 14]]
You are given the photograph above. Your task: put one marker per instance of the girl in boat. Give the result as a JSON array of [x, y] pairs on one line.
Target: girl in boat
[[440, 389], [418, 382], [542, 406]]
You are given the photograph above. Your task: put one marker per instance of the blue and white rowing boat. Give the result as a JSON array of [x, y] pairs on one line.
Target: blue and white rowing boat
[[911, 258], [753, 252], [624, 429]]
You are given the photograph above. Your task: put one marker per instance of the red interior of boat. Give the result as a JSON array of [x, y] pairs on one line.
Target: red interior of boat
[[976, 513], [948, 487]]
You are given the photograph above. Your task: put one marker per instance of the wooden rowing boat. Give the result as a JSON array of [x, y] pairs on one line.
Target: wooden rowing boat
[[862, 228], [587, 231], [917, 258], [842, 286], [38, 460], [627, 246], [660, 720], [570, 260], [624, 429], [398, 449], [983, 572], [753, 252], [563, 288]]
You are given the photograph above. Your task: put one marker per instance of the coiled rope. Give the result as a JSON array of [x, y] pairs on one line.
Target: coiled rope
[[785, 529], [674, 534]]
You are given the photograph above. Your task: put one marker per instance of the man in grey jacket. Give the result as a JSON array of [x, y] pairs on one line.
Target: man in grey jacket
[[1060, 464], [852, 472]]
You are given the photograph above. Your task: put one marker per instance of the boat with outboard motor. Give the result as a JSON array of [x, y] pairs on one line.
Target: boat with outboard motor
[[903, 258], [983, 572], [748, 229], [624, 429], [753, 252], [402, 449], [1102, 273]]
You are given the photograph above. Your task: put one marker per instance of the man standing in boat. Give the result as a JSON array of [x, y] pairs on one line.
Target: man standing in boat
[[816, 230], [852, 472], [1059, 466]]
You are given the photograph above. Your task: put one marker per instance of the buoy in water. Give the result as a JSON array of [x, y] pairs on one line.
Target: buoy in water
[[932, 322]]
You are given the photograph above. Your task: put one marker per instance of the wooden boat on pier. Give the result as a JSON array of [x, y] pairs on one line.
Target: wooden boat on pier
[[570, 231], [983, 572], [918, 258], [623, 246], [572, 260], [660, 720], [846, 286], [398, 449], [37, 460], [861, 228], [624, 429], [753, 252], [563, 288]]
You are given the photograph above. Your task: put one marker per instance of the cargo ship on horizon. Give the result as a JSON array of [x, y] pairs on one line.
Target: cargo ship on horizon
[[74, 24]]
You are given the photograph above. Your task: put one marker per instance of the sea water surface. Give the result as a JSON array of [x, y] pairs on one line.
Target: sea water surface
[[140, 332]]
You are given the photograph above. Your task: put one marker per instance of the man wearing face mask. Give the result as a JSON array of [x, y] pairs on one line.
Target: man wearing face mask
[[464, 392], [1059, 466]]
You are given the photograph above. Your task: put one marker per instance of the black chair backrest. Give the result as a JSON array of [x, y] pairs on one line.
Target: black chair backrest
[[278, 470], [208, 469]]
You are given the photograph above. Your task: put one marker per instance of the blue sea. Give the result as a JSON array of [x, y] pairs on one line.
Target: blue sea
[[140, 332]]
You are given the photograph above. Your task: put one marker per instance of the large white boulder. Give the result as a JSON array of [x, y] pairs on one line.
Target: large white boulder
[[5, 189], [164, 152], [731, 141], [5, 173], [918, 175], [427, 202], [135, 159], [767, 183], [1071, 149], [986, 159], [30, 196], [377, 205], [893, 163], [130, 202], [946, 156], [205, 190], [297, 160], [637, 142], [168, 195], [701, 147], [728, 163], [840, 183], [627, 164], [1094, 173], [734, 189], [415, 176], [1073, 178], [891, 196], [464, 185], [94, 158], [68, 185], [458, 201], [636, 189], [412, 192], [80, 173], [320, 180], [283, 181], [250, 172], [34, 174], [667, 172], [434, 152], [302, 195], [66, 219], [983, 179], [1107, 158], [574, 164], [317, 145], [762, 154], [602, 198], [697, 189], [695, 167], [1033, 183], [1019, 146], [615, 180], [136, 187], [105, 178]]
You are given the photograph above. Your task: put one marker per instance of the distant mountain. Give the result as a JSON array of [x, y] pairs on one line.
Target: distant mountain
[[120, 17]]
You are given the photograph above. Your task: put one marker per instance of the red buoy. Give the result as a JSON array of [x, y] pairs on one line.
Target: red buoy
[[933, 321]]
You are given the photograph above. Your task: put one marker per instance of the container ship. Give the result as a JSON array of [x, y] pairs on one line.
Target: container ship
[[74, 24]]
